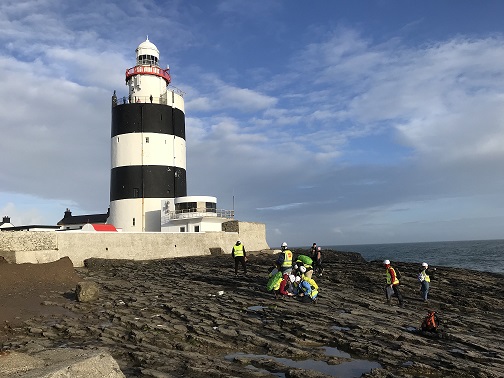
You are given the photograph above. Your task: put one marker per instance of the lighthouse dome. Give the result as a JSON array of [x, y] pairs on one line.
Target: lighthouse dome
[[147, 53]]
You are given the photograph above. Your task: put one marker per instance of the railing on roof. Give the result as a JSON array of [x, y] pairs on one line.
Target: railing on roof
[[163, 99], [149, 70], [199, 213]]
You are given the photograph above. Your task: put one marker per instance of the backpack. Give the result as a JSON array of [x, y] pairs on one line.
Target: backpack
[[431, 322], [274, 280], [305, 259]]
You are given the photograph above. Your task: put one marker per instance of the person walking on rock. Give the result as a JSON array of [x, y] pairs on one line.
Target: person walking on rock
[[392, 287], [424, 277], [240, 257]]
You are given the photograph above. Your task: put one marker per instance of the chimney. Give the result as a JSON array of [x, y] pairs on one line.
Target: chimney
[[6, 219], [68, 213]]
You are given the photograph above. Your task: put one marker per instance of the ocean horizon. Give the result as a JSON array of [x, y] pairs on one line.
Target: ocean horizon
[[482, 255]]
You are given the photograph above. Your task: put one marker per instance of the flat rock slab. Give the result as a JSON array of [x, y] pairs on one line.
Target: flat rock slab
[[59, 363], [169, 318]]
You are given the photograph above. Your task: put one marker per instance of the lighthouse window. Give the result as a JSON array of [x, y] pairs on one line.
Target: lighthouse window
[[182, 229], [148, 60], [146, 139], [133, 221], [136, 192]]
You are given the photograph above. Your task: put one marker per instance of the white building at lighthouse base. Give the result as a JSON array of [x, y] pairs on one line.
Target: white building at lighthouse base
[[193, 214]]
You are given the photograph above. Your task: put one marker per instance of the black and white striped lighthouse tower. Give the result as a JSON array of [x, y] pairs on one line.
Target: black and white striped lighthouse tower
[[148, 145]]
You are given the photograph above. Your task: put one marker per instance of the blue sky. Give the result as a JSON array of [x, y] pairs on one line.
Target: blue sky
[[336, 122]]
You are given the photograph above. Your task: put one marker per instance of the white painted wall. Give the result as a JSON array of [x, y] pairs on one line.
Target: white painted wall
[[161, 149], [42, 247]]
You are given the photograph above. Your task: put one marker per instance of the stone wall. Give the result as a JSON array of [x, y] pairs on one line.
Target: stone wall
[[42, 247]]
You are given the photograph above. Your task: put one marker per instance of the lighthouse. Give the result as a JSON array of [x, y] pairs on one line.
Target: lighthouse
[[148, 147]]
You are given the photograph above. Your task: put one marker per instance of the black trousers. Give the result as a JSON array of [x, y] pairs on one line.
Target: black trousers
[[397, 293], [240, 260]]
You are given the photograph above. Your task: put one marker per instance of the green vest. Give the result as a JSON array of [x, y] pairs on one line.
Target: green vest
[[238, 250]]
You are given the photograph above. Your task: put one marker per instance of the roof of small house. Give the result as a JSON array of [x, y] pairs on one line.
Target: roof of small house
[[70, 219]]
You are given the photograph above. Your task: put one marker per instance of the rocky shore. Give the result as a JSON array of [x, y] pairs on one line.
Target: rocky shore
[[191, 317]]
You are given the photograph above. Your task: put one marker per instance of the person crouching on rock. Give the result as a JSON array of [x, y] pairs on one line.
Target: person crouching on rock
[[280, 285], [284, 260], [240, 257], [392, 287], [308, 288], [307, 262], [286, 287]]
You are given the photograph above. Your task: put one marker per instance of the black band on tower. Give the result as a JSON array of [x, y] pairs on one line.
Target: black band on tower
[[148, 181], [147, 118]]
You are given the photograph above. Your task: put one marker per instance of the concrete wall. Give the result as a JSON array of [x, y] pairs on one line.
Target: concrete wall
[[42, 247]]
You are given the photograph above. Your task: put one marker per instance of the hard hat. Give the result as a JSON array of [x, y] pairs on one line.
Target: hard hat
[[284, 244], [292, 277], [298, 278], [302, 269], [238, 242], [386, 262], [425, 265]]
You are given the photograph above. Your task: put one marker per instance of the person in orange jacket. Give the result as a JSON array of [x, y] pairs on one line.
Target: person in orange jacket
[[392, 287]]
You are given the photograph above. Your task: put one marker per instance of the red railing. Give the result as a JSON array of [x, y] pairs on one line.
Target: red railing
[[149, 70]]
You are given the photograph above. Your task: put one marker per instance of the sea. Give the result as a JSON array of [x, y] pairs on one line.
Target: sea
[[482, 255]]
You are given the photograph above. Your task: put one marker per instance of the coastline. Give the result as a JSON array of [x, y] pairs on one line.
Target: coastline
[[165, 318]]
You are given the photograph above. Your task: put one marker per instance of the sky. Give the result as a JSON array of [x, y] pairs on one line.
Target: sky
[[336, 122]]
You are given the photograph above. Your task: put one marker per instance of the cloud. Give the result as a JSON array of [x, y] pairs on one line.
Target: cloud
[[338, 126]]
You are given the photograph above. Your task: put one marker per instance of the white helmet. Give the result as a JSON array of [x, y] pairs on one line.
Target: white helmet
[[298, 278], [284, 244], [302, 269], [292, 277], [425, 265], [386, 262]]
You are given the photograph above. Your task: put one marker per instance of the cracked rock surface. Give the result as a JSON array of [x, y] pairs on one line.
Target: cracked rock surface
[[169, 318]]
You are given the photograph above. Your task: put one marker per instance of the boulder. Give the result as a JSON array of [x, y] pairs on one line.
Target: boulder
[[87, 291]]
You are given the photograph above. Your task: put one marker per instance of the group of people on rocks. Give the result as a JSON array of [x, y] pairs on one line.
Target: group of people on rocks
[[293, 277], [392, 286]]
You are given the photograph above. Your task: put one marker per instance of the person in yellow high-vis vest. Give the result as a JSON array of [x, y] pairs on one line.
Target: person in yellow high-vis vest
[[424, 277], [240, 257], [284, 260]]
